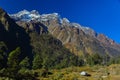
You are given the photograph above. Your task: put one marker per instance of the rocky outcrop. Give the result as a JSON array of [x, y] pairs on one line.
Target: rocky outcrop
[[78, 39]]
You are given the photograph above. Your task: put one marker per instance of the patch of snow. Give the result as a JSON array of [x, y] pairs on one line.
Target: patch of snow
[[35, 12], [50, 16], [66, 20], [34, 16], [22, 13], [76, 25]]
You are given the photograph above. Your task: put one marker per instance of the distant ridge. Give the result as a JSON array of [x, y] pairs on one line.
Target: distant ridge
[[78, 39]]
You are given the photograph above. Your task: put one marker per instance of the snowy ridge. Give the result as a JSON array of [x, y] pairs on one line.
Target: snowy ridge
[[33, 15], [27, 16], [46, 17]]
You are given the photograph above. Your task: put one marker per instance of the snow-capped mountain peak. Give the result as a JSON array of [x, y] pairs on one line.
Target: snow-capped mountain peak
[[27, 16], [65, 20], [51, 16], [35, 12], [33, 15], [22, 13]]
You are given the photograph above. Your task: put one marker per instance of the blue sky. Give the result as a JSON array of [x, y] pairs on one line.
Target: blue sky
[[101, 15]]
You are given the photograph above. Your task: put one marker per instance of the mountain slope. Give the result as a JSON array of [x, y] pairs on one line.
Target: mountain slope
[[34, 43], [12, 34], [78, 39]]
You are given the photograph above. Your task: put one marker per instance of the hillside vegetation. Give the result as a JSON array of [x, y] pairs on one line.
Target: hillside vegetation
[[31, 54]]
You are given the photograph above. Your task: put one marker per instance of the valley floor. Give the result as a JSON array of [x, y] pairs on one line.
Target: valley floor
[[111, 72], [97, 72]]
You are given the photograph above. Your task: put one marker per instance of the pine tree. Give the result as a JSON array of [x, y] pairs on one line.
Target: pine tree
[[37, 62], [13, 63], [24, 64]]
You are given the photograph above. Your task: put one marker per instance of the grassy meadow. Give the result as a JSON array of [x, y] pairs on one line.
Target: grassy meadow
[[111, 72]]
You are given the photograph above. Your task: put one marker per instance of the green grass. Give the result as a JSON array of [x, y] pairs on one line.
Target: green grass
[[73, 73]]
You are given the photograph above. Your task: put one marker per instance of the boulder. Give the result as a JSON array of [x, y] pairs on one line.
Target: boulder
[[83, 73]]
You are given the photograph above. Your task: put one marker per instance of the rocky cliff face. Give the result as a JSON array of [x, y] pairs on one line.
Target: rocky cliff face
[[13, 35], [78, 39]]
